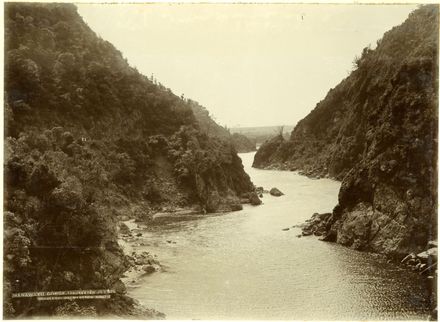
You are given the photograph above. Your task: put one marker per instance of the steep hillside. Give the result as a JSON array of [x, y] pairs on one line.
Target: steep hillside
[[264, 155], [208, 126], [90, 140], [377, 132], [242, 143]]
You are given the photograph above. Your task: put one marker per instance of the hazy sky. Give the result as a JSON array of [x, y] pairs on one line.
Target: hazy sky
[[250, 65]]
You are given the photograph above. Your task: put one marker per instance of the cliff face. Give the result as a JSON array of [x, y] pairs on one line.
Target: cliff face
[[89, 140], [377, 132]]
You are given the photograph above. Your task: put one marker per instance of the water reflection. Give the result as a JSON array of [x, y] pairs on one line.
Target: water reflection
[[242, 265]]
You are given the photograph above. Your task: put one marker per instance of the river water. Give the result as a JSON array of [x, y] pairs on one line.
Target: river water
[[242, 265]]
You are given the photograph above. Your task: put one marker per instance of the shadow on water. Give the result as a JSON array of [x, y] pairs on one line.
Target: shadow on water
[[243, 265]]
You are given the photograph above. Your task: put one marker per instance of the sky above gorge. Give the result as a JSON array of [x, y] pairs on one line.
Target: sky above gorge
[[248, 64]]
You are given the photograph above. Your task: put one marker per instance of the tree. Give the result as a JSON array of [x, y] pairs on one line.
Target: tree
[[280, 130]]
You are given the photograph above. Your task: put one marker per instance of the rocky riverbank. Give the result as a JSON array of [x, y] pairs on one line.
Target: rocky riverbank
[[141, 263], [376, 131], [309, 172], [132, 234], [423, 263], [161, 214], [90, 139]]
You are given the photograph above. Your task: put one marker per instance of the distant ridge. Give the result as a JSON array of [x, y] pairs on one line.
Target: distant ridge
[[259, 134]]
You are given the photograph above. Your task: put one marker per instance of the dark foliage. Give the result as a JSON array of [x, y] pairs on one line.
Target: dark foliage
[[208, 126], [377, 132], [266, 151], [242, 143], [89, 139]]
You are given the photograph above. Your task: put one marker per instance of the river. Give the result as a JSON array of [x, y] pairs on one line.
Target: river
[[242, 265]]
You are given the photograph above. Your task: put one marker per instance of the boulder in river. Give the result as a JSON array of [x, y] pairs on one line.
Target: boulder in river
[[316, 225], [276, 192], [148, 269], [124, 229], [253, 199], [259, 189]]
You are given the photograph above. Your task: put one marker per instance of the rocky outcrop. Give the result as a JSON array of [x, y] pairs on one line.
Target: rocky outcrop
[[276, 192], [424, 262], [316, 225], [254, 200], [377, 132], [266, 152]]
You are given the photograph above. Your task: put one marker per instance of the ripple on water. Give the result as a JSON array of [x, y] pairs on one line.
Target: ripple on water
[[243, 266]]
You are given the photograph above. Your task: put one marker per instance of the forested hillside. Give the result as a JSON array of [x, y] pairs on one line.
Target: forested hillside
[[89, 140], [377, 132], [208, 126]]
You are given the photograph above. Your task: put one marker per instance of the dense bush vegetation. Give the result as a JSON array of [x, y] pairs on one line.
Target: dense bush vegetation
[[208, 126], [89, 140], [264, 155], [377, 132]]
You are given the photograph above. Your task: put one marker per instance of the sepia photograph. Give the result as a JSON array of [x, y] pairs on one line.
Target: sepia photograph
[[220, 161]]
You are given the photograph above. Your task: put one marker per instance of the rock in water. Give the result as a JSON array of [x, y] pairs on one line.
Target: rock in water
[[96, 122], [316, 225], [376, 131], [123, 229], [148, 269], [253, 199], [259, 190], [276, 192]]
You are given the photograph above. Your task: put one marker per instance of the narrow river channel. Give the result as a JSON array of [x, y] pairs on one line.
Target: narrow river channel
[[242, 265]]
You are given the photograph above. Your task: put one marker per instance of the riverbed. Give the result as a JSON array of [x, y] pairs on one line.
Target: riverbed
[[243, 265]]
